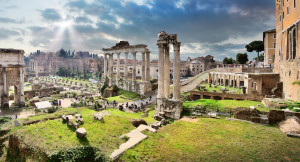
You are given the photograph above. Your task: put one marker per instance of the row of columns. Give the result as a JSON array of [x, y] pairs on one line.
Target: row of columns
[[108, 64], [233, 80], [164, 71]]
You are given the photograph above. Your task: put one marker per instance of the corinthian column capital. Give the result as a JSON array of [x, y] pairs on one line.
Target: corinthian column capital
[[176, 46]]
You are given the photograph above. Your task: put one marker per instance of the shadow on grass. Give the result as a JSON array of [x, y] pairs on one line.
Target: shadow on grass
[[83, 141]]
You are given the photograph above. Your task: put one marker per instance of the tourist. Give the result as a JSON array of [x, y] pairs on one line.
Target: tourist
[[150, 98]]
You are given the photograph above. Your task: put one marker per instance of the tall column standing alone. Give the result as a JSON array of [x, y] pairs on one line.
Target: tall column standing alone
[[134, 68], [126, 66], [118, 69], [167, 71], [176, 72], [105, 67], [111, 69], [143, 67], [147, 66], [160, 91]]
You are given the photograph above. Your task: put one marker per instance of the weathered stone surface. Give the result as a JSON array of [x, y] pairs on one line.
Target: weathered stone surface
[[135, 136], [99, 117], [81, 133], [276, 116], [158, 117], [138, 122], [17, 123], [245, 113], [290, 125]]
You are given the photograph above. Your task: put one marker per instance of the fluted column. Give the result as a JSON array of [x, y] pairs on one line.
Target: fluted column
[[167, 71], [147, 66], [143, 67], [118, 68], [160, 91], [111, 69], [134, 68], [176, 72], [4, 100], [126, 66], [105, 66], [4, 80]]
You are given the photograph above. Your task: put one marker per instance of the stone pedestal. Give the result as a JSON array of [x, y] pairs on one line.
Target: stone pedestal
[[171, 108]]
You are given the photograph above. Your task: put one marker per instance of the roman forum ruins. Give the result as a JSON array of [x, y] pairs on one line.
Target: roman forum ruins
[[164, 104], [130, 85], [12, 74]]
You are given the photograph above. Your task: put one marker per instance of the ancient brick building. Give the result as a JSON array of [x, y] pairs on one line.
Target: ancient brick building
[[287, 52]]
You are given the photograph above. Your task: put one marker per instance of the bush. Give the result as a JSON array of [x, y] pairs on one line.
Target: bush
[[115, 88], [103, 87], [84, 153], [4, 119], [52, 109]]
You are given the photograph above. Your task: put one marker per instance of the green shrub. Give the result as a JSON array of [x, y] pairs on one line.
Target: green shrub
[[103, 87], [4, 119], [84, 153]]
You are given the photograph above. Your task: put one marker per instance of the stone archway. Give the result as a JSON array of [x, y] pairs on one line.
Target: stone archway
[[12, 68]]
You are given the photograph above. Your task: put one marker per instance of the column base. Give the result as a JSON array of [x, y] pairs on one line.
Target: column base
[[171, 108], [5, 105]]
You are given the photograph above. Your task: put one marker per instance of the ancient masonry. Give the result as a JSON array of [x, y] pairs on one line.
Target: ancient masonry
[[12, 74], [170, 107], [127, 84]]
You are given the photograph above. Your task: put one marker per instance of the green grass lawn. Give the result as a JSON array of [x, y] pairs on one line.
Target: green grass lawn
[[53, 135], [215, 140], [125, 96], [231, 89], [224, 104]]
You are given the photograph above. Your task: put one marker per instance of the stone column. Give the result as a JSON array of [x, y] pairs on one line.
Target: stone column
[[126, 66], [147, 66], [134, 67], [167, 71], [176, 72], [111, 64], [160, 91], [118, 69], [105, 67], [5, 103], [143, 67], [21, 89]]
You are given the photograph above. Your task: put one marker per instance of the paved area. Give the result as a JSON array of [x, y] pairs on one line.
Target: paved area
[[135, 136], [192, 83], [187, 119]]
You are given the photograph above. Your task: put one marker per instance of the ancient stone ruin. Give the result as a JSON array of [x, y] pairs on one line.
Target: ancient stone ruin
[[12, 74], [129, 85], [170, 107]]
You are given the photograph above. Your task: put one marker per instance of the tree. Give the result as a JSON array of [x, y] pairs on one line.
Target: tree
[[257, 46], [241, 58], [227, 60]]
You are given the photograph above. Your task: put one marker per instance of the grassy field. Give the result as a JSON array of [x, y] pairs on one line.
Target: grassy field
[[231, 89], [125, 96], [215, 140], [224, 104], [53, 135]]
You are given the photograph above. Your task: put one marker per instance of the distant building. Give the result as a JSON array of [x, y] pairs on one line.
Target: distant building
[[287, 52], [44, 64], [269, 38]]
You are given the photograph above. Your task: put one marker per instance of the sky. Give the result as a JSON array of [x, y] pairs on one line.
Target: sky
[[220, 28]]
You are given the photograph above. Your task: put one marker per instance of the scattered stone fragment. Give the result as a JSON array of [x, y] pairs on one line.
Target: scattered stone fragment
[[138, 122], [290, 125], [16, 123], [81, 133]]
